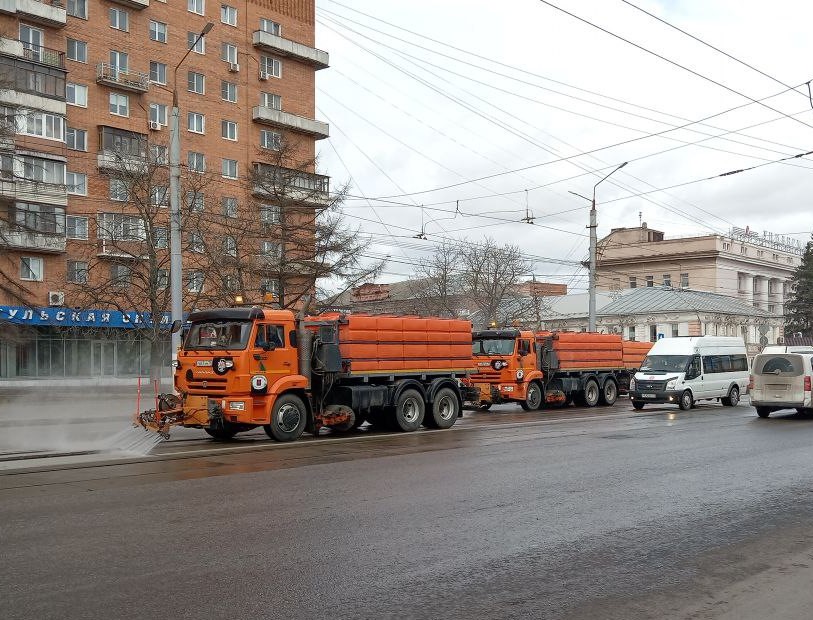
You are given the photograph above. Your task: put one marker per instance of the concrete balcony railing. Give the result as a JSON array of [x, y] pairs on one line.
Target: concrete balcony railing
[[51, 13], [34, 191], [278, 118], [11, 237], [285, 47], [134, 4], [111, 75], [303, 187], [111, 160]]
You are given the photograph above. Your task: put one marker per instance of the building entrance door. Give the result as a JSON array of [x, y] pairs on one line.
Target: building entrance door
[[104, 358]]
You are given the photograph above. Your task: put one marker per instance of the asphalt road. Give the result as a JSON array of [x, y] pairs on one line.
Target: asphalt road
[[602, 513]]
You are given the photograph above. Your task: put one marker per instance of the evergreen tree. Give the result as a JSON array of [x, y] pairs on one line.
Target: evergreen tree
[[799, 307]]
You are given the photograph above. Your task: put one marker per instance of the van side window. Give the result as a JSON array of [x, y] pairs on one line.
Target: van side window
[[693, 369]]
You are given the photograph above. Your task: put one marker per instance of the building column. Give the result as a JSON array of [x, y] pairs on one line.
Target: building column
[[761, 292], [747, 287]]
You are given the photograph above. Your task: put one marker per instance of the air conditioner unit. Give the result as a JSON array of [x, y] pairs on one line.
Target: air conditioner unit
[[264, 76], [155, 125], [234, 67], [56, 298]]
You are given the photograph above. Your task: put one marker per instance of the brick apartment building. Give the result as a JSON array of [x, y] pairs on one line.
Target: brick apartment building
[[86, 90]]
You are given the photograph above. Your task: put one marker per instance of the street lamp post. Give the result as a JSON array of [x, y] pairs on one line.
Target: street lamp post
[[175, 269], [591, 287]]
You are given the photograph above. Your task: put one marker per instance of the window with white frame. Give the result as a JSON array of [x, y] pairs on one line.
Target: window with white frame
[[194, 282], [118, 190], [228, 14], [228, 52], [158, 72], [76, 94], [195, 201], [196, 162], [633, 282], [675, 330], [120, 227], [158, 113], [195, 42], [31, 268], [229, 205], [270, 214], [119, 104], [270, 26], [650, 281], [120, 61], [196, 6], [229, 246], [119, 19], [684, 280], [161, 278], [42, 170], [76, 139], [77, 50], [270, 67], [77, 272], [41, 124], [270, 248], [228, 91], [159, 195], [667, 279], [158, 31], [161, 235], [78, 8], [228, 129], [229, 168], [196, 122], [38, 218], [77, 183], [159, 154], [270, 100], [270, 139], [76, 227], [196, 82], [230, 282], [120, 275], [196, 242], [269, 286], [631, 333]]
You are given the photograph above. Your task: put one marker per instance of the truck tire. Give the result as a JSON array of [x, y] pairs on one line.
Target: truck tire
[[409, 411], [288, 418], [533, 398], [445, 408], [733, 398], [637, 405], [610, 392], [686, 401], [592, 393], [763, 412]]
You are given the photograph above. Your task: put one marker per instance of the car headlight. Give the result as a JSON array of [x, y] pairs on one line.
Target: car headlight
[[671, 385], [632, 384]]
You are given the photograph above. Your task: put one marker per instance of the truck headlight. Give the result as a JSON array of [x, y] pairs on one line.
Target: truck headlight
[[632, 384]]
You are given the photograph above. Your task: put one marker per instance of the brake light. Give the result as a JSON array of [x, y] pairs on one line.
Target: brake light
[[807, 383], [750, 382]]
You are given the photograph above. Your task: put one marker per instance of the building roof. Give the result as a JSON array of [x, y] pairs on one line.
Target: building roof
[[659, 299]]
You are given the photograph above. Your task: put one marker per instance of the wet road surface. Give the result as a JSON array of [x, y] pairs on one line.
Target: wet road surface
[[601, 513]]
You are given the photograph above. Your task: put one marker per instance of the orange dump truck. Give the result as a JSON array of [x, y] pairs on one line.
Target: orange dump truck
[[553, 368], [240, 368]]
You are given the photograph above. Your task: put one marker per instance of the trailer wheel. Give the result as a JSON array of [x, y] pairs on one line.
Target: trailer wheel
[[610, 392], [533, 398], [409, 411], [591, 393], [445, 408], [288, 418], [637, 405]]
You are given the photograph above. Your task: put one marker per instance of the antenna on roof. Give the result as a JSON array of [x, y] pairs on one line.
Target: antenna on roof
[[640, 218]]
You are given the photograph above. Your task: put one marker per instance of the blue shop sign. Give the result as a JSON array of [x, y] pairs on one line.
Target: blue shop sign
[[66, 317]]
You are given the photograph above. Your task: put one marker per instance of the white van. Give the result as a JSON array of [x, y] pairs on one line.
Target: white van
[[782, 380], [686, 369]]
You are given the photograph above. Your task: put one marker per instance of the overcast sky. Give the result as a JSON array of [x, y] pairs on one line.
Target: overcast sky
[[471, 105]]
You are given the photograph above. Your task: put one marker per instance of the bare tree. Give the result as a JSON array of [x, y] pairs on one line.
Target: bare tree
[[438, 286]]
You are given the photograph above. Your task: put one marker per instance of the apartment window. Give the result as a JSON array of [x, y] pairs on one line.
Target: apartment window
[[194, 201], [650, 281], [229, 246], [77, 183], [228, 91], [726, 246], [42, 124], [195, 282], [120, 275], [616, 286], [196, 162], [631, 332], [43, 170], [76, 227], [119, 227], [653, 333], [743, 250], [229, 168], [270, 248], [196, 6], [270, 140], [119, 104], [77, 271], [127, 144], [159, 196], [228, 14], [158, 113], [229, 205], [270, 214], [196, 122], [270, 67], [77, 50], [684, 280], [161, 278], [228, 130], [119, 19], [158, 72], [120, 61], [270, 100], [78, 8], [76, 94], [161, 238], [228, 52], [633, 282], [76, 139], [31, 268], [196, 42], [196, 82], [158, 31], [118, 190], [270, 26], [38, 218], [196, 242], [675, 330], [159, 153], [667, 279]]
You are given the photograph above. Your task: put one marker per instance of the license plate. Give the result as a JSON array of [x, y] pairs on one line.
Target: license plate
[[203, 363], [647, 395]]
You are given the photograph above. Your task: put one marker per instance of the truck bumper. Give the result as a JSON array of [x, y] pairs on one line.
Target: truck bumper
[[667, 396]]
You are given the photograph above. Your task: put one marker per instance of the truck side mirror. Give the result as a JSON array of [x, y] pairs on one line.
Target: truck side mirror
[[175, 327]]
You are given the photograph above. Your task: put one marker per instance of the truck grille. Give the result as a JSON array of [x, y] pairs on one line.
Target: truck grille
[[207, 385], [486, 376], [650, 386]]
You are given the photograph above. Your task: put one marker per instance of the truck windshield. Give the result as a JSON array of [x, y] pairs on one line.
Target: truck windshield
[[495, 346], [665, 363], [218, 335]]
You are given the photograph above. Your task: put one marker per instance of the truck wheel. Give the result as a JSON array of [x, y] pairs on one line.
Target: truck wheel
[[733, 398], [686, 401], [763, 412], [610, 392], [533, 398], [409, 411], [219, 433], [591, 393], [444, 410], [637, 405], [288, 418]]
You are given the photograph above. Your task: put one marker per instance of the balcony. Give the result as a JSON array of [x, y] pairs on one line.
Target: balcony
[[33, 53], [50, 13], [278, 118], [11, 238], [24, 190], [133, 4], [110, 75], [291, 49], [112, 160], [303, 187], [120, 250]]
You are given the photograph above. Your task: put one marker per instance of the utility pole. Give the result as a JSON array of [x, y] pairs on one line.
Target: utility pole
[[175, 268]]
